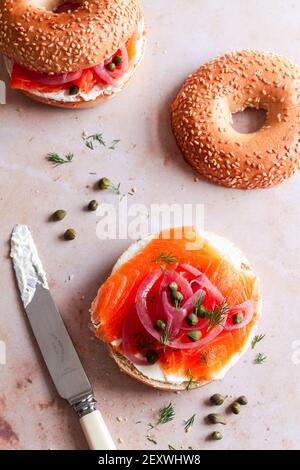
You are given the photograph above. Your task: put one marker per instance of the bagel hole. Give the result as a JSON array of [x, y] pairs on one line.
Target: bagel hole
[[249, 120], [57, 6]]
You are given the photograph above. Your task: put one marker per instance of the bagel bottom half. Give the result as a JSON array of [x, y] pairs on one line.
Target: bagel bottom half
[[147, 374]]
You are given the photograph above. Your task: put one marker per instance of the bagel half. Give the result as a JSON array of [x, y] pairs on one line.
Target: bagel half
[[154, 375]]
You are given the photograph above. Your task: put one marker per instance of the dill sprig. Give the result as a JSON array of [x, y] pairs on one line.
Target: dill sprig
[[256, 339], [165, 338], [260, 358], [191, 378], [58, 160], [114, 144], [166, 414], [93, 139], [115, 188], [167, 258], [171, 447], [216, 315], [205, 358], [152, 440], [189, 423]]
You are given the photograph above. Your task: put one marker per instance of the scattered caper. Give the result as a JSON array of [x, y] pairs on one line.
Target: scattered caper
[[217, 399], [192, 319], [216, 436], [111, 67], [70, 234], [238, 318], [93, 205], [73, 90], [173, 286], [104, 183], [118, 60], [215, 419], [194, 335], [160, 325], [242, 400], [151, 356], [59, 215], [177, 296], [235, 408], [202, 311]]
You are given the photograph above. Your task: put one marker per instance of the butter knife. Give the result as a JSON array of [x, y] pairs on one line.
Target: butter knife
[[55, 344]]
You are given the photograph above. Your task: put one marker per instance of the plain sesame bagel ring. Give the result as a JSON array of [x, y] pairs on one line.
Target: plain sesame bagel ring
[[202, 120], [71, 53]]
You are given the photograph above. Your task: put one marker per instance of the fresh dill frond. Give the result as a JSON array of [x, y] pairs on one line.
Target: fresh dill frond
[[260, 358], [165, 337], [166, 414], [204, 358], [58, 160], [191, 378], [167, 258], [114, 144], [189, 423], [256, 339], [93, 139], [152, 440], [217, 314]]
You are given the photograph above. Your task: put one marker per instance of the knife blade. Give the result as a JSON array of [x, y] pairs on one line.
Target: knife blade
[[55, 344]]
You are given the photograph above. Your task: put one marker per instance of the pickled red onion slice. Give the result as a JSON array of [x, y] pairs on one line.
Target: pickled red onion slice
[[110, 78], [247, 309], [141, 302], [55, 79], [203, 282]]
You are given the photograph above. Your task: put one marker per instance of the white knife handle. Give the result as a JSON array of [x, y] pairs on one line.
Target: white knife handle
[[96, 432]]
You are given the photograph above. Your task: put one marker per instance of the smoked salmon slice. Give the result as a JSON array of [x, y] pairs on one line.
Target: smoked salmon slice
[[136, 312]]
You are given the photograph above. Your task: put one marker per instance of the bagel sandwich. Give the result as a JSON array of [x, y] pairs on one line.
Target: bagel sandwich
[[71, 54]]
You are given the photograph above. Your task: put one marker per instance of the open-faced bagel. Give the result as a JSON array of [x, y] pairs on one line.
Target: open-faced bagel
[[202, 119], [49, 42]]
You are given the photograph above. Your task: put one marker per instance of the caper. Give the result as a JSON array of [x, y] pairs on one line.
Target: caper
[[111, 67], [118, 60], [192, 319], [104, 183], [151, 356], [73, 90], [217, 399], [238, 318], [215, 419], [235, 408], [173, 286], [177, 296], [93, 205], [216, 436], [59, 215], [194, 335], [160, 325], [202, 311], [70, 234], [242, 400]]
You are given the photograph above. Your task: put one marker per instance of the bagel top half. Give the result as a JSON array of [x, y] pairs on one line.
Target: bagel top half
[[225, 266], [44, 41]]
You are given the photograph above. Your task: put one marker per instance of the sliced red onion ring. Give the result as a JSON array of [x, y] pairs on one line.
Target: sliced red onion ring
[[127, 347], [110, 78], [68, 6], [183, 284], [211, 335], [55, 79], [248, 310], [174, 315], [141, 302]]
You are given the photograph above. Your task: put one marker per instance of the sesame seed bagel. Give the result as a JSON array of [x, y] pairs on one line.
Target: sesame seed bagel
[[202, 119], [44, 41]]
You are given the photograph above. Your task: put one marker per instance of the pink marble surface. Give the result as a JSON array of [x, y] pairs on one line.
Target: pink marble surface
[[265, 224]]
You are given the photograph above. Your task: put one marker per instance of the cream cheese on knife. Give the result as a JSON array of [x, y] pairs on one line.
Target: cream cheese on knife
[[28, 267]]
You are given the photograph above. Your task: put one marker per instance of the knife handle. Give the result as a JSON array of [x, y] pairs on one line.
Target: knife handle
[[96, 432]]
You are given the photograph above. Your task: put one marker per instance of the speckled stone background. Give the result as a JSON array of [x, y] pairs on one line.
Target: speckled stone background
[[183, 34]]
